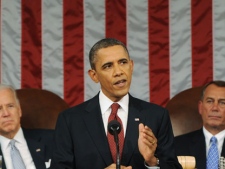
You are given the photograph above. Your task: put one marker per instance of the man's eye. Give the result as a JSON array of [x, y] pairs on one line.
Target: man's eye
[[222, 103], [123, 62], [11, 105], [209, 101], [106, 66]]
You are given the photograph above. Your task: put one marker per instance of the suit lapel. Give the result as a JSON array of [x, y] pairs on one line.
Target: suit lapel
[[197, 149], [223, 149], [37, 153], [3, 162], [132, 132], [95, 126]]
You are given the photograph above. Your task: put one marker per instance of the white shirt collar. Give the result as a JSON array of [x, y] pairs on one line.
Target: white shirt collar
[[220, 136], [4, 141], [19, 137], [220, 139], [105, 102]]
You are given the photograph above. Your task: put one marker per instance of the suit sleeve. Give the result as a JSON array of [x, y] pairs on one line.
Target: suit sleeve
[[63, 156], [165, 149]]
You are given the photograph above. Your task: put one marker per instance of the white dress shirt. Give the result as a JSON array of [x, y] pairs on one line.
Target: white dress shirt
[[220, 139], [105, 105], [21, 145]]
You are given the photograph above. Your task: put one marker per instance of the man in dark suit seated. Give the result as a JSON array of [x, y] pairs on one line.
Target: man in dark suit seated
[[210, 138], [20, 147], [81, 132]]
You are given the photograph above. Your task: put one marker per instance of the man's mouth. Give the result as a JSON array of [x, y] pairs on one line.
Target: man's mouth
[[214, 117], [7, 122], [120, 83]]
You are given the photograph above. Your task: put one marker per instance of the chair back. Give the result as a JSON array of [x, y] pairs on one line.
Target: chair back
[[183, 110], [40, 108]]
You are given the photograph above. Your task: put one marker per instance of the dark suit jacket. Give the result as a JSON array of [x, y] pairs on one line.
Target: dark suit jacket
[[37, 139], [81, 141], [193, 144]]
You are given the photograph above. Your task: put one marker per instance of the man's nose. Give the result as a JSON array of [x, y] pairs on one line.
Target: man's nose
[[5, 111], [215, 106], [118, 70]]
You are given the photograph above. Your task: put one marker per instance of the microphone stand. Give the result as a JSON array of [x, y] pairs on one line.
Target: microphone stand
[[116, 139], [114, 128]]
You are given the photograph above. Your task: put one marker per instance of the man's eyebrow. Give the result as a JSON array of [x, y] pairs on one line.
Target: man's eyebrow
[[110, 63], [123, 59], [214, 98], [107, 63]]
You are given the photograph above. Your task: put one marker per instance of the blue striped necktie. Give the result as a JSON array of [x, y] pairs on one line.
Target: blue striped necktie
[[17, 160], [213, 155]]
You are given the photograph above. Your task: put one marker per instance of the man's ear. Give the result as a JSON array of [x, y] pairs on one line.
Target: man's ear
[[200, 107], [93, 75], [132, 65], [20, 111]]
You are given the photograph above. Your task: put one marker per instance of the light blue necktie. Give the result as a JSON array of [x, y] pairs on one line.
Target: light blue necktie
[[17, 160], [213, 155]]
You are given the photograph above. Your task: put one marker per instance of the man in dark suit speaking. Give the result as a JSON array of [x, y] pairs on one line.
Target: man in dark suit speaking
[[19, 147], [81, 131], [199, 143]]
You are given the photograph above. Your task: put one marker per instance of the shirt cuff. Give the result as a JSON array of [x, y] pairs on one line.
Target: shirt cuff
[[152, 167]]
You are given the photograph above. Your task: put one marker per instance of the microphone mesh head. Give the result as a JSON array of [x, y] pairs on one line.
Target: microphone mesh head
[[114, 126]]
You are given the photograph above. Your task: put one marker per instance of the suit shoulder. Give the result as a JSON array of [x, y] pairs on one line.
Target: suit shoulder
[[38, 134], [147, 105], [81, 109], [189, 135], [78, 107]]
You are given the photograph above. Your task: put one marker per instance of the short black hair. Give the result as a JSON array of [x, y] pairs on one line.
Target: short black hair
[[104, 43]]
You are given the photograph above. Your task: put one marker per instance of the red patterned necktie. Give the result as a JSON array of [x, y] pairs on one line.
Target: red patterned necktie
[[112, 144]]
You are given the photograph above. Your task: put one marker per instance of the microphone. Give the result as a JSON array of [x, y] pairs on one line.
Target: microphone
[[114, 128]]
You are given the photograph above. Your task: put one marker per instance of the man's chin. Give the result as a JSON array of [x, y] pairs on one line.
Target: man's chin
[[9, 128], [215, 124], [9, 131], [121, 93]]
